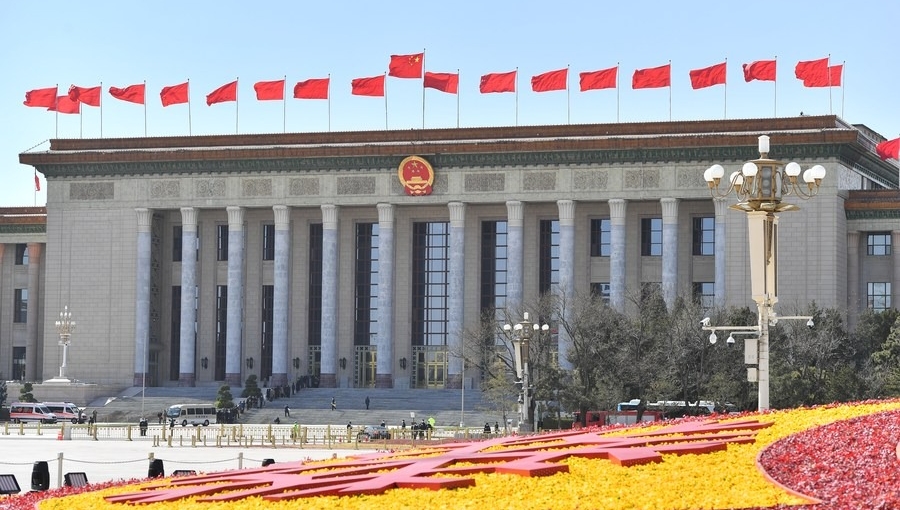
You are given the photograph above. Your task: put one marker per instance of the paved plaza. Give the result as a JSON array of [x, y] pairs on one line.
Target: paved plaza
[[122, 459]]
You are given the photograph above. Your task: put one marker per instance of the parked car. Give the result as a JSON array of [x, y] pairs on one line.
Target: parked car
[[373, 432]]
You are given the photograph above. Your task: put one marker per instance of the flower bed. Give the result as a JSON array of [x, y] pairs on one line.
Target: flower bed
[[840, 454]]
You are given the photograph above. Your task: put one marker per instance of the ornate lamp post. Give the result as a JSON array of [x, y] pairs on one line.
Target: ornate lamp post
[[521, 339], [65, 326], [760, 186]]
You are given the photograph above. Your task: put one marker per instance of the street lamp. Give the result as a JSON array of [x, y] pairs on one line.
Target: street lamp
[[65, 326], [760, 186], [521, 340]]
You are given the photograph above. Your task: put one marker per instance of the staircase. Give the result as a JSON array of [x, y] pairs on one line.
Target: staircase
[[312, 406]]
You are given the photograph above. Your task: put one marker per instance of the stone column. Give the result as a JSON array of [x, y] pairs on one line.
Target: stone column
[[32, 371], [457, 294], [515, 247], [719, 251], [566, 275], [895, 257], [142, 296], [188, 351], [384, 337], [852, 278], [328, 377], [669, 250], [617, 207], [281, 295], [235, 328]]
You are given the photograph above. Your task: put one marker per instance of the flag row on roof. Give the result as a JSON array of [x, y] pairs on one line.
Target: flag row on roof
[[813, 73]]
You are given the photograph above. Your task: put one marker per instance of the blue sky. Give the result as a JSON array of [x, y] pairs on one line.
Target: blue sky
[[167, 42]]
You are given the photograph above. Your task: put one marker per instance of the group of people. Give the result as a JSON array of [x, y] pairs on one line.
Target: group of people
[[487, 427]]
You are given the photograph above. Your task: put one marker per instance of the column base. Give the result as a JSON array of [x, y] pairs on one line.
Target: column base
[[384, 381], [454, 382], [187, 380], [327, 381], [233, 380]]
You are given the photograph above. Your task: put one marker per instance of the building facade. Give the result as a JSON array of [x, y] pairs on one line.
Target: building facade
[[359, 259]]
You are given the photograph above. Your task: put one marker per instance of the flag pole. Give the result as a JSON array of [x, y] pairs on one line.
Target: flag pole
[[329, 102], [617, 92], [145, 108], [189, 106], [284, 105], [457, 98], [517, 96], [236, 80], [101, 108], [775, 88], [568, 98], [80, 121], [385, 102], [670, 90], [56, 112], [725, 91], [828, 69], [423, 88]]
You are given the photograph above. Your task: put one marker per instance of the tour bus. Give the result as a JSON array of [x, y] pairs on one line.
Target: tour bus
[[30, 411], [66, 411], [195, 414]]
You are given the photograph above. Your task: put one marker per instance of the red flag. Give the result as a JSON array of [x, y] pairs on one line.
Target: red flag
[[176, 94], [314, 88], [406, 66], [835, 72], [498, 82], [652, 78], [131, 93], [45, 98], [603, 79], [269, 90], [65, 105], [373, 86], [708, 76], [763, 70], [225, 93], [551, 80], [445, 82], [888, 149], [37, 182], [813, 73], [87, 95]]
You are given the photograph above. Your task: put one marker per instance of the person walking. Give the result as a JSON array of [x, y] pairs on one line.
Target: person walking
[[333, 404], [367, 402], [287, 411]]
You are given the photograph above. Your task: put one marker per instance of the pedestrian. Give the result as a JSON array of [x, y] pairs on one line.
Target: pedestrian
[[382, 423], [333, 404], [287, 411], [487, 428], [403, 424], [142, 425], [349, 425], [277, 420], [367, 402], [172, 424], [159, 418], [496, 427]]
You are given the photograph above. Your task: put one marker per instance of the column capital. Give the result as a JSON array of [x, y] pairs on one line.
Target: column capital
[[669, 210], [721, 207], [515, 213], [457, 214], [566, 212], [385, 215], [235, 217], [617, 211], [329, 216], [282, 217], [189, 219], [144, 216]]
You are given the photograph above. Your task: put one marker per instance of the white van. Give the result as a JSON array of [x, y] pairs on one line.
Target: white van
[[195, 414], [66, 411], [20, 412]]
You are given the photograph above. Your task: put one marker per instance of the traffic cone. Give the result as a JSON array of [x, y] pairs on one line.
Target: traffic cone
[[59, 436]]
